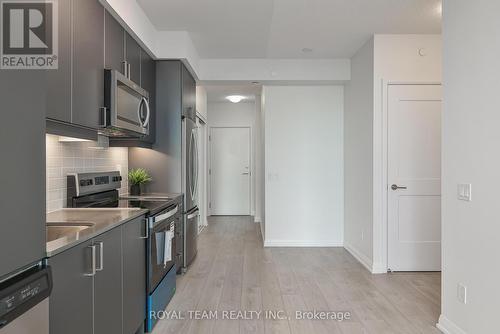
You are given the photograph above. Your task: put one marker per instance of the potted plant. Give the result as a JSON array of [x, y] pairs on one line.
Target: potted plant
[[136, 178]]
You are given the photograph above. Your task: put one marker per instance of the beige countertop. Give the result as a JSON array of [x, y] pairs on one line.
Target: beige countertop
[[94, 222]]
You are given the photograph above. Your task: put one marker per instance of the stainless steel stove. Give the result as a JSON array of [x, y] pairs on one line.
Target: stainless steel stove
[[165, 229]]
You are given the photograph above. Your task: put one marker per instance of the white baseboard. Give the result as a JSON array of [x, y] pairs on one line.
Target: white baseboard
[[262, 232], [257, 219], [446, 326], [378, 268], [302, 243], [362, 258]]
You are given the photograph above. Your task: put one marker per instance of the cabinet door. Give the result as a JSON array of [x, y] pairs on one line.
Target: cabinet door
[[107, 283], [134, 275], [188, 90], [71, 298], [115, 44], [59, 81], [133, 57], [88, 62], [148, 82]]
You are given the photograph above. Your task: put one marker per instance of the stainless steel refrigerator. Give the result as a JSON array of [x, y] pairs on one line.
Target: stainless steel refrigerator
[[190, 184], [173, 159]]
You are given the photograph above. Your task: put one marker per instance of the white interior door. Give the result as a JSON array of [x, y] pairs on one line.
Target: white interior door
[[230, 171], [414, 175]]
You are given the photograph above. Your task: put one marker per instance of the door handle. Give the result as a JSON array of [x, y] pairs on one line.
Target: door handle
[[396, 187], [245, 173], [101, 256], [93, 270]]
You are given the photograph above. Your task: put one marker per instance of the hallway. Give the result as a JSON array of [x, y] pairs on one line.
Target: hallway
[[234, 272]]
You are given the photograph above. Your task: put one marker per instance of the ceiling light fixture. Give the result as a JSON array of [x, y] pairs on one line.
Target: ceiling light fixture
[[235, 98]]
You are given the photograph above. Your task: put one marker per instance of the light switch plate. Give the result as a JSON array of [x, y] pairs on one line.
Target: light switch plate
[[464, 192]]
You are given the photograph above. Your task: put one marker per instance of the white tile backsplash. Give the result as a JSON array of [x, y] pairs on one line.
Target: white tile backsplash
[[79, 157]]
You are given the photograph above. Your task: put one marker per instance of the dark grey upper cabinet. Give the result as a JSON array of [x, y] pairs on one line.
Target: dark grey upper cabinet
[[148, 82], [134, 275], [71, 298], [107, 283], [188, 90], [114, 44], [88, 62], [59, 81], [133, 58]]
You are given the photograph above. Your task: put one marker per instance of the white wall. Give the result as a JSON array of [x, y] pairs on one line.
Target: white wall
[[358, 156], [396, 59], [384, 59], [261, 194], [201, 102], [471, 141], [303, 165], [228, 114]]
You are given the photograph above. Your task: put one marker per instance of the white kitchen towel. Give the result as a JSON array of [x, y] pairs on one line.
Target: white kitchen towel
[[167, 255]]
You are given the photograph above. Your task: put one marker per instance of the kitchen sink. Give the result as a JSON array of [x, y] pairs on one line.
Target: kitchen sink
[[57, 230]]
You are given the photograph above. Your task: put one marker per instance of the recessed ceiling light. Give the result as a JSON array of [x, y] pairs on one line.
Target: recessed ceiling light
[[307, 50], [235, 98], [255, 83]]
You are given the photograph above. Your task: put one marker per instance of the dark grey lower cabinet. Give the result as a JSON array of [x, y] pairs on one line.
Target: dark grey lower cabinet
[[107, 283], [113, 299], [72, 295], [134, 275]]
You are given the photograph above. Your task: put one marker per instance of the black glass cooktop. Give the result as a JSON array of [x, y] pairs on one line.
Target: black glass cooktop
[[153, 206]]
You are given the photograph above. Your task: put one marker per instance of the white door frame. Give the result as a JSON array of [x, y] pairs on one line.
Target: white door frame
[[252, 174], [203, 169], [383, 234]]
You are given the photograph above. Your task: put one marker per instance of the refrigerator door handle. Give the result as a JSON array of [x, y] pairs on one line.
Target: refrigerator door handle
[[193, 215]]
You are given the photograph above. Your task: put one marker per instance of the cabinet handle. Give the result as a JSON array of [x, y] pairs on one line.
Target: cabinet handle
[[101, 256], [93, 270], [125, 68], [146, 222], [128, 70]]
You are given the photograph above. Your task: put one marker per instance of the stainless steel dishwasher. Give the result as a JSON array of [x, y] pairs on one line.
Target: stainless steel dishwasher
[[24, 303]]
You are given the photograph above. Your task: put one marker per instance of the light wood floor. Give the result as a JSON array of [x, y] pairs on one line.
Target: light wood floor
[[234, 272]]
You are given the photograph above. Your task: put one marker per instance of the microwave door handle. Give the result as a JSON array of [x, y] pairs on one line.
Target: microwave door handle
[[148, 112]]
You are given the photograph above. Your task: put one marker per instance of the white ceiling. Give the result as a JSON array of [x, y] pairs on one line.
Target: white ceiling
[[282, 28], [218, 93]]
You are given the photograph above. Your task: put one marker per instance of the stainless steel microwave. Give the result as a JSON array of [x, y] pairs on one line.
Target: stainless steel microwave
[[126, 112]]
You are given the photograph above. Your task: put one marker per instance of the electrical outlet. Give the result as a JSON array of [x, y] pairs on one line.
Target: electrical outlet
[[462, 293], [464, 192]]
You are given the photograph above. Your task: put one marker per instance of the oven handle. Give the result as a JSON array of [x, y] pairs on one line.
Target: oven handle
[[166, 215]]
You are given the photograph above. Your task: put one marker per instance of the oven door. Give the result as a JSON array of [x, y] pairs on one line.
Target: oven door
[[161, 246]]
